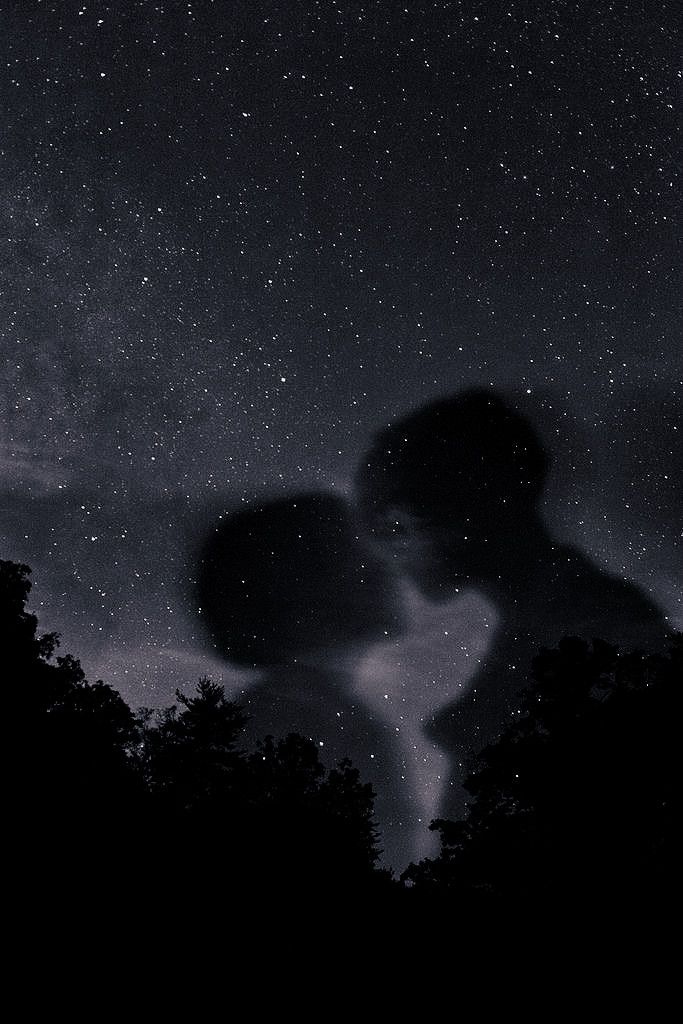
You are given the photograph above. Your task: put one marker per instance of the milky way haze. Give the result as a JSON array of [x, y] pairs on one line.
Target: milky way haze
[[238, 239]]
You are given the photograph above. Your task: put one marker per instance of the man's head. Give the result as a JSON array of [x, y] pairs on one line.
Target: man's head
[[451, 486]]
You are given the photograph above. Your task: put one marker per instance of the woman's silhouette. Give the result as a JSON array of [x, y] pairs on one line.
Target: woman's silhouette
[[291, 590], [451, 493]]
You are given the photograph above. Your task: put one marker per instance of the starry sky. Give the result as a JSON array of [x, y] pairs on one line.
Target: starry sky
[[240, 238]]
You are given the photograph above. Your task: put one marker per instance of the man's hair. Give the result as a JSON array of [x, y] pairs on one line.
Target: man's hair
[[470, 449]]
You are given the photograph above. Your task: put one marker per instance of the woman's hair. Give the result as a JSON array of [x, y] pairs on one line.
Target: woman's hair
[[291, 576]]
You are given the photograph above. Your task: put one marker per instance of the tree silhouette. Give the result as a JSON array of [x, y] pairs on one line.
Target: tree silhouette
[[76, 797], [576, 799], [320, 823], [73, 778], [18, 627], [107, 800], [188, 757], [213, 822], [270, 818]]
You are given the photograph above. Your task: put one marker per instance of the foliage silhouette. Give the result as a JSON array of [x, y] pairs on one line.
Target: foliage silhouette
[[576, 799], [272, 817], [575, 802], [75, 787], [94, 781], [189, 757]]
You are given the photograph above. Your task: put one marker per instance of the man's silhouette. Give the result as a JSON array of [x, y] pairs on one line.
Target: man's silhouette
[[291, 590], [452, 494]]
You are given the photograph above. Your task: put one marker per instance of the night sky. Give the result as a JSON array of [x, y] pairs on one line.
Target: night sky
[[239, 239]]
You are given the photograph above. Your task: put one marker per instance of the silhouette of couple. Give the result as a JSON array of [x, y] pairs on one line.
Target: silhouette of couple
[[337, 606]]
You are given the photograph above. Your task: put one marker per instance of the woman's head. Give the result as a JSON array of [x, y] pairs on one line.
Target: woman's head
[[287, 578]]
